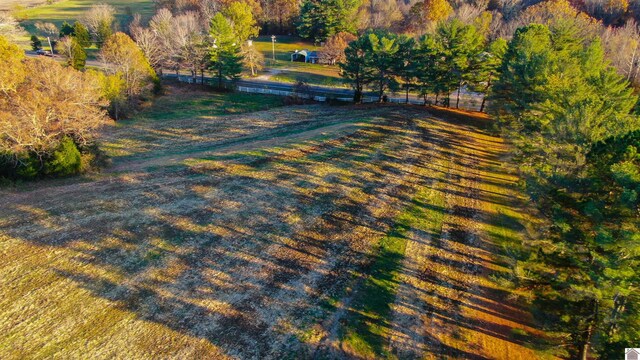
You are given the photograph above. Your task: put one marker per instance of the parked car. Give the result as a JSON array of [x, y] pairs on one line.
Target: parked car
[[43, 52]]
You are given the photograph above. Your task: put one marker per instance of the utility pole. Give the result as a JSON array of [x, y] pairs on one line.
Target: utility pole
[[50, 47], [273, 47]]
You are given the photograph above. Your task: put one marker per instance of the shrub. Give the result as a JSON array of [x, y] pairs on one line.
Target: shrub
[[64, 161], [23, 166]]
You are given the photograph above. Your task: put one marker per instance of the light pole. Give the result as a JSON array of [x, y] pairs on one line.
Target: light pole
[[273, 47]]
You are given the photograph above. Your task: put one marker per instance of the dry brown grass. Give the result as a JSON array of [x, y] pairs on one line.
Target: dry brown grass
[[248, 236]]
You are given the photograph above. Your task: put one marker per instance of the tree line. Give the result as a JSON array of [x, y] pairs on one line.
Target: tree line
[[571, 118], [454, 57], [409, 16], [615, 21], [328, 22]]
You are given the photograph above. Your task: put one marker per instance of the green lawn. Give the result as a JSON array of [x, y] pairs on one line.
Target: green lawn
[[71, 10], [284, 46], [10, 5], [310, 78], [209, 104]]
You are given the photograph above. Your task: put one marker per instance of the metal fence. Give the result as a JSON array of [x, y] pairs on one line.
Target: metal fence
[[253, 90], [468, 101]]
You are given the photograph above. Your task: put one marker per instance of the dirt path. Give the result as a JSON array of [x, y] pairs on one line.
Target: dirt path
[[279, 137]]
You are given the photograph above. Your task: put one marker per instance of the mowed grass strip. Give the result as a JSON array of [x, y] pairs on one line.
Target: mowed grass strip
[[368, 326]]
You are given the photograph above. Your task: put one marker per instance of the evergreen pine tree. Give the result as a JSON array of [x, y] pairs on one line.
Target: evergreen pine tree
[[81, 33], [36, 43], [225, 55], [321, 19], [557, 98], [66, 30], [485, 68], [354, 69]]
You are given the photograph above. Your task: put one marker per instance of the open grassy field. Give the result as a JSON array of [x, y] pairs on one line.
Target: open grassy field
[[284, 47], [72, 10], [11, 5], [228, 226], [284, 70]]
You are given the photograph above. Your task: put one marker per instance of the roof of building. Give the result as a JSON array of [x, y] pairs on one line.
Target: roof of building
[[306, 53]]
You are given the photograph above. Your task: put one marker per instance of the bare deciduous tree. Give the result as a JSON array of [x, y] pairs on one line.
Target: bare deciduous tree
[[161, 25], [622, 46], [50, 103], [378, 14], [252, 58], [190, 42], [149, 42], [99, 19], [9, 27], [333, 50], [50, 31]]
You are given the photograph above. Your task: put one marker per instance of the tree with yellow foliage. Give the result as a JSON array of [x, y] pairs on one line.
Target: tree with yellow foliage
[[428, 13], [47, 112], [615, 9], [121, 55], [12, 72]]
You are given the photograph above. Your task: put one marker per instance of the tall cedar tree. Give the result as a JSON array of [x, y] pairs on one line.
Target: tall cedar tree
[[36, 43], [81, 33], [225, 55], [66, 30], [556, 97]]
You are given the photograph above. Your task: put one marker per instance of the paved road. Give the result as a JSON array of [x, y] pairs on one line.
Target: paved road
[[90, 63]]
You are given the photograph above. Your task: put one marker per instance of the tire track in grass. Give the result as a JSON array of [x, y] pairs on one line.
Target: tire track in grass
[[367, 326], [406, 339], [371, 324]]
